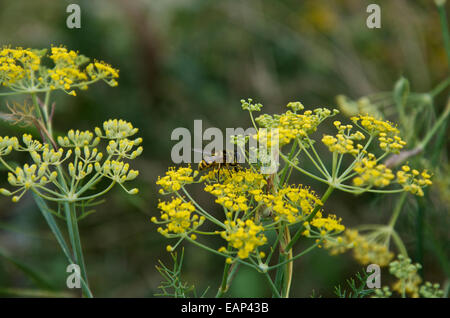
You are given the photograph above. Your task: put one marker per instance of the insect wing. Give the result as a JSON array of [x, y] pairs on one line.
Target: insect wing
[[215, 158]]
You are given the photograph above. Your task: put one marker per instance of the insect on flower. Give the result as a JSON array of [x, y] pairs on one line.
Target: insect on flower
[[219, 159]]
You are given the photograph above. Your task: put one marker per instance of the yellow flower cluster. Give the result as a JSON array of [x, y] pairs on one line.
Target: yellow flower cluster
[[27, 177], [49, 156], [365, 250], [344, 142], [243, 195], [7, 144], [21, 70], [123, 147], [31, 144], [291, 125], [243, 236], [178, 218], [412, 180], [116, 129], [16, 64], [66, 71], [326, 226], [104, 71], [371, 173], [118, 148], [291, 204], [232, 193], [175, 179], [30, 176], [77, 138], [47, 160], [388, 135], [117, 171]]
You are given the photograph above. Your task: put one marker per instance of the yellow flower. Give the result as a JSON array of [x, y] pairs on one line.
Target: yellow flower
[[21, 69], [327, 225], [123, 148], [290, 125], [178, 217], [413, 181], [17, 64], [388, 135], [371, 173], [77, 138], [344, 142], [291, 203], [175, 179], [31, 144], [7, 144], [116, 129], [28, 177], [244, 236], [66, 71], [232, 193], [101, 70], [115, 170]]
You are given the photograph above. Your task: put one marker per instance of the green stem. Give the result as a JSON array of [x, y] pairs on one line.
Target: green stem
[[334, 166], [323, 172], [77, 248], [272, 249], [74, 234], [398, 242], [6, 164], [318, 157], [59, 238], [221, 254], [309, 249], [285, 259], [253, 120], [420, 232], [97, 194], [286, 167], [357, 159], [201, 210], [275, 292], [398, 210], [302, 170], [224, 285]]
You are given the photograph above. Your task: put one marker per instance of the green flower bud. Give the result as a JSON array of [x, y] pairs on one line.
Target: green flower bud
[[5, 192]]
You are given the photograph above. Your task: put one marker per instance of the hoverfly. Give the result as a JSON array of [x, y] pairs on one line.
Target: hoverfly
[[220, 159]]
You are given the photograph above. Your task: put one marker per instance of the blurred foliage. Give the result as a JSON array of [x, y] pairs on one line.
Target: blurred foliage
[[195, 59]]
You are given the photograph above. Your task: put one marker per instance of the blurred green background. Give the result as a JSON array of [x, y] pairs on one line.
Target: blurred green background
[[195, 59]]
